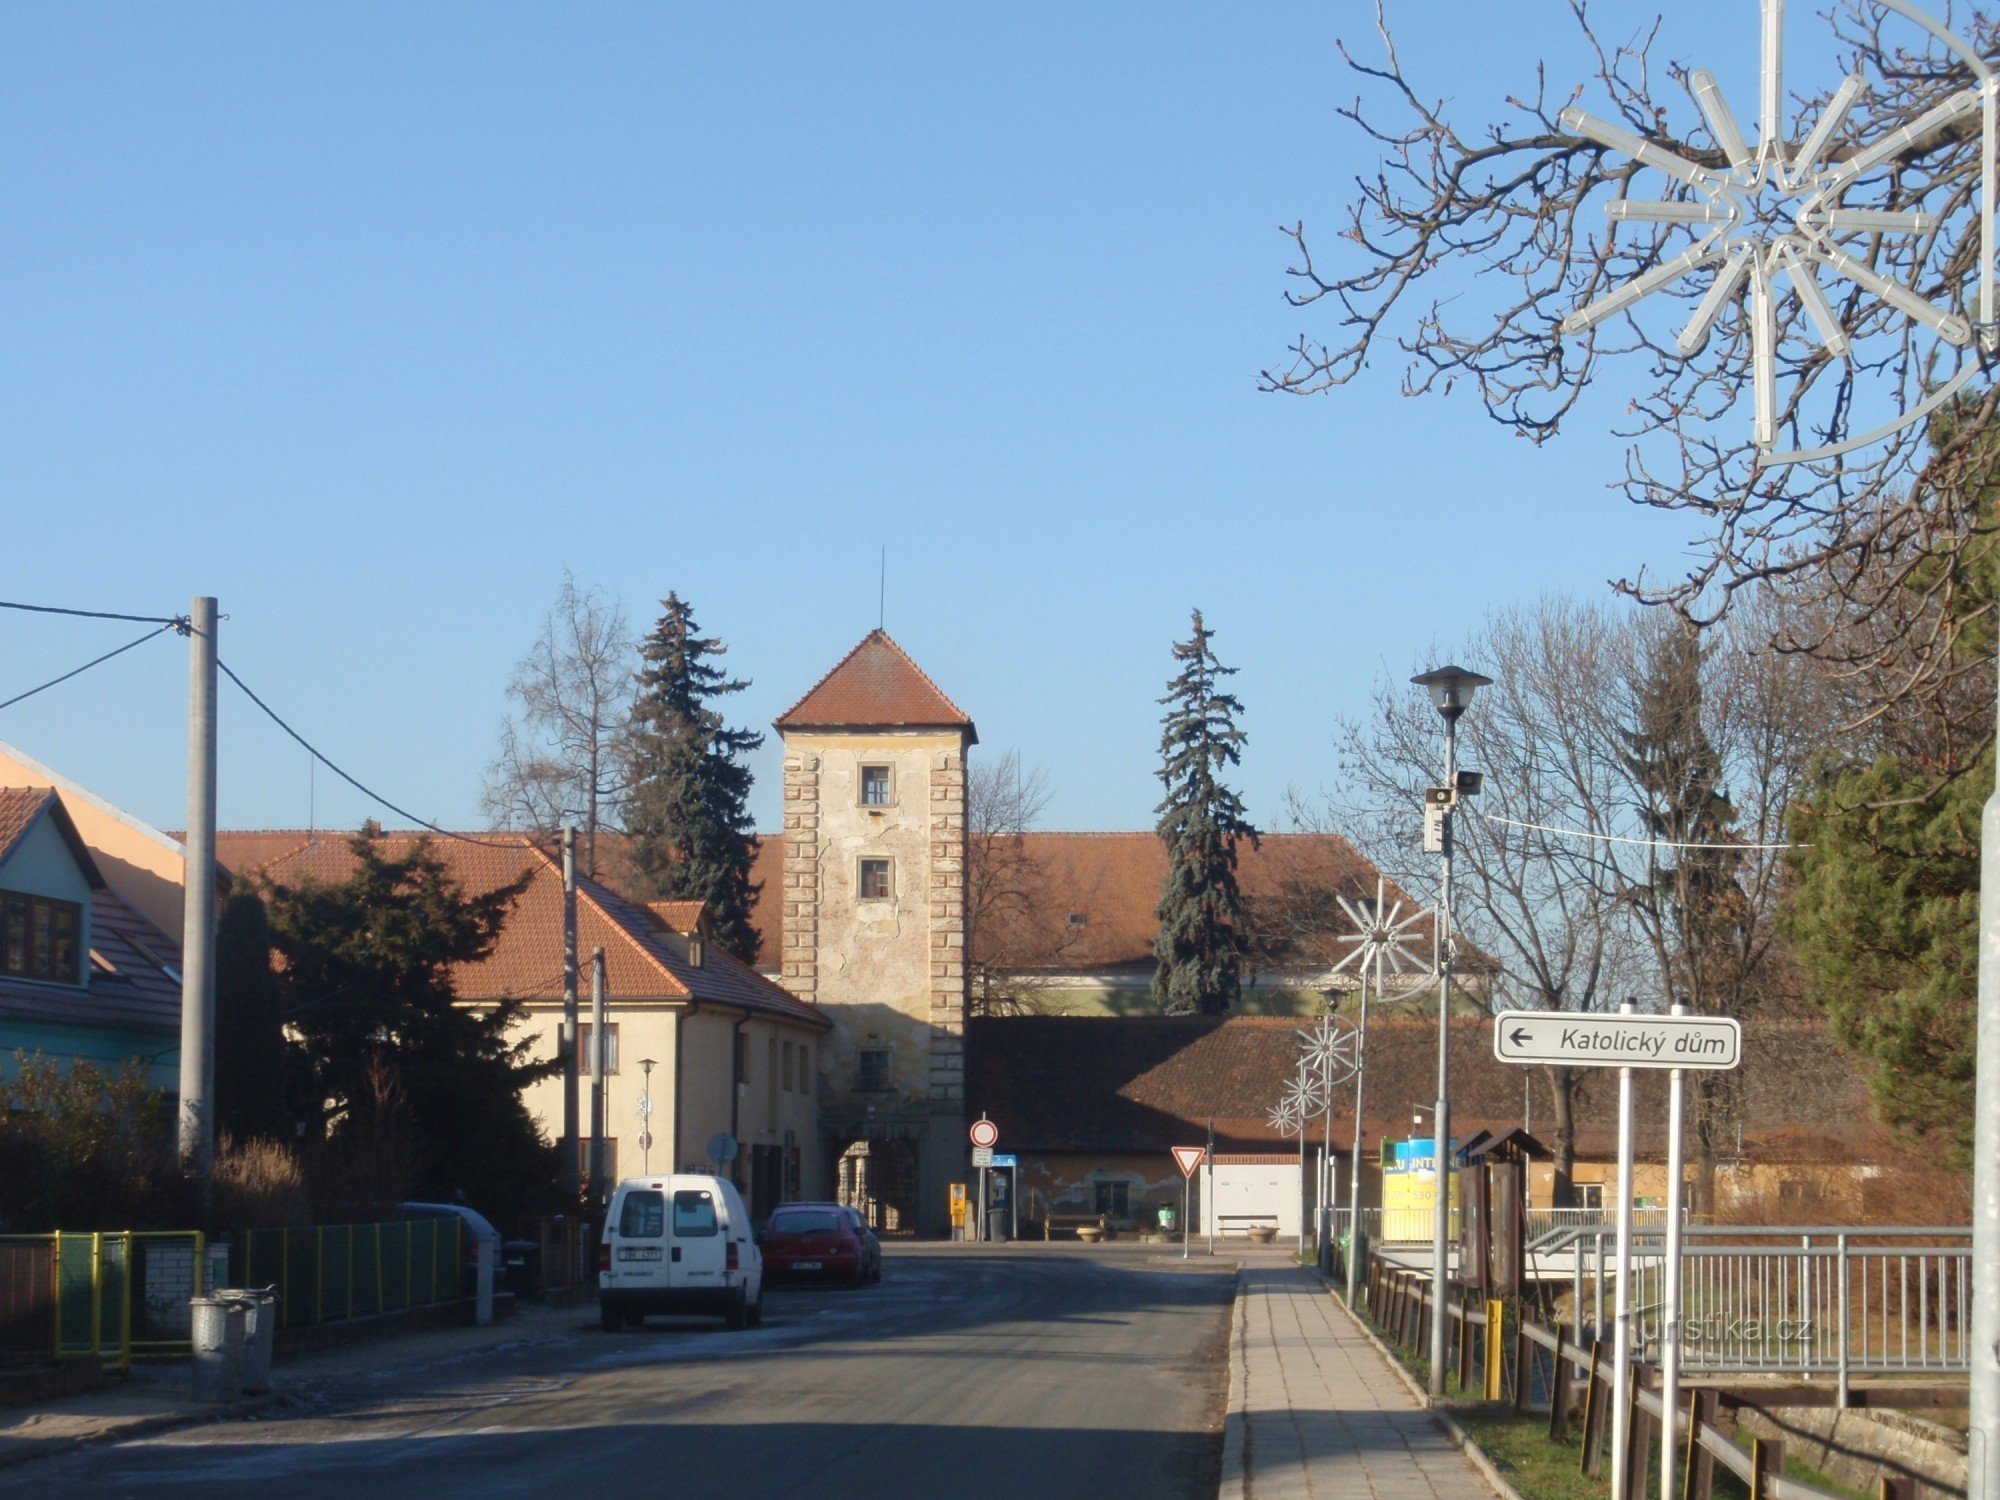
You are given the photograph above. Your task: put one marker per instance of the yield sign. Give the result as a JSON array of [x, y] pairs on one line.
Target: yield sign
[[1188, 1158]]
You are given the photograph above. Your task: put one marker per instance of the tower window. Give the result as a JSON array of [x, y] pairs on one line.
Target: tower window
[[872, 1072], [874, 786], [875, 880]]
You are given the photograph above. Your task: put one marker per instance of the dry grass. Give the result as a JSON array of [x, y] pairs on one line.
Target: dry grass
[[259, 1185]]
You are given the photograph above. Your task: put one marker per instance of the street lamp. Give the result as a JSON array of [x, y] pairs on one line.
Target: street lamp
[[646, 1117], [1451, 690]]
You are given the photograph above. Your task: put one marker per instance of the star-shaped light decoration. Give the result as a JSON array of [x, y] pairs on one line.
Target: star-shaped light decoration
[[1383, 937], [1330, 1051], [1777, 211]]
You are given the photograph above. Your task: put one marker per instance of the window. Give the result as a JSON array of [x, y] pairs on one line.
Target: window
[[791, 1063], [874, 786], [43, 939], [1590, 1195], [805, 1069], [1114, 1198], [1078, 919], [874, 880], [694, 1213], [644, 1216], [742, 1059], [771, 1084], [610, 1158], [586, 1055], [873, 1076]]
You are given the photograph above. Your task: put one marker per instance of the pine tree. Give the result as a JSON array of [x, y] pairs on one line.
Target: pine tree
[[1692, 906], [687, 808], [249, 1024], [1204, 935]]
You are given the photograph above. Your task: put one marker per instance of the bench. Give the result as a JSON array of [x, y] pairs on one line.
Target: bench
[[1073, 1222], [1226, 1224]]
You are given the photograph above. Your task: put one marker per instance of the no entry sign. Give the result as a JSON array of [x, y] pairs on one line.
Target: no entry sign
[[985, 1133]]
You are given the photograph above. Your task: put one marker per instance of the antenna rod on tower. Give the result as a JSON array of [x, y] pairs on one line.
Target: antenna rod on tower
[[882, 591]]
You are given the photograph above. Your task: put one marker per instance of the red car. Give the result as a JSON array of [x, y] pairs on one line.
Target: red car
[[820, 1240]]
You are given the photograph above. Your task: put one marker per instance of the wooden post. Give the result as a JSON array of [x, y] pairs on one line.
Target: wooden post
[[1594, 1395], [1767, 1461], [1559, 1392], [1524, 1364], [1466, 1339], [1639, 1424], [1698, 1466]]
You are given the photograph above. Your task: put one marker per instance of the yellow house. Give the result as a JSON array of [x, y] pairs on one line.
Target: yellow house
[[732, 1054]]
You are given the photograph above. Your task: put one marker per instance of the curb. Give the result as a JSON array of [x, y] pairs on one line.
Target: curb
[[137, 1427], [1235, 1425], [1447, 1424]]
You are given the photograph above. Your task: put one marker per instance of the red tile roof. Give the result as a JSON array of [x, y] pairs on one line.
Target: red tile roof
[[640, 956], [876, 686], [683, 917], [23, 807]]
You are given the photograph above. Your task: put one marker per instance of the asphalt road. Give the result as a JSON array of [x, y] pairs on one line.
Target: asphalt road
[[964, 1374]]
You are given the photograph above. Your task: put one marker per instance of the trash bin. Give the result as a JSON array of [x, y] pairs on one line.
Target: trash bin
[[216, 1334], [523, 1269], [260, 1332]]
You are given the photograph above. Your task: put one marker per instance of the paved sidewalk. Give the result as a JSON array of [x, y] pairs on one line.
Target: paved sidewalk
[[1314, 1411], [154, 1397]]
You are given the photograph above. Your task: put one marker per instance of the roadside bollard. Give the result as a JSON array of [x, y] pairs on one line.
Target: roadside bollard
[[216, 1333]]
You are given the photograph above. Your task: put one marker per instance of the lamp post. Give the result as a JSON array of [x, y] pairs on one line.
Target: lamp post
[[1451, 689], [646, 1117]]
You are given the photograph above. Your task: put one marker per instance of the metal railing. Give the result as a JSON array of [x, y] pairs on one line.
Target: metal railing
[[99, 1295], [1804, 1299]]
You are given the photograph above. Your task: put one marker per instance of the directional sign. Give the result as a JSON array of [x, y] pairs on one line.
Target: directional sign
[[984, 1133], [1617, 1041], [982, 1156], [1188, 1159]]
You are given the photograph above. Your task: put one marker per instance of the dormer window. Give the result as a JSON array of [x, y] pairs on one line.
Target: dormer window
[[41, 939], [697, 954], [875, 786]]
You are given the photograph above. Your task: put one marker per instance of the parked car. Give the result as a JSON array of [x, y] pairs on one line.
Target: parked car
[[678, 1243], [824, 1241]]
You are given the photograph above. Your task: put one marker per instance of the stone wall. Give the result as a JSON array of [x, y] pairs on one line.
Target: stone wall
[[1859, 1448]]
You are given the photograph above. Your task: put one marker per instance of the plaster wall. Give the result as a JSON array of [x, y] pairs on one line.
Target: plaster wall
[[137, 861]]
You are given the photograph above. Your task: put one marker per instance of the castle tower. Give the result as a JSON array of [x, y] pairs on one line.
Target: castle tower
[[874, 923]]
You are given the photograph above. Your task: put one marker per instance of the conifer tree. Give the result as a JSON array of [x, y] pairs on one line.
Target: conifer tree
[[1204, 934], [687, 810]]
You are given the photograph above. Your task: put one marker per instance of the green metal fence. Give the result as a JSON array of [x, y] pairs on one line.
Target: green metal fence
[[331, 1272]]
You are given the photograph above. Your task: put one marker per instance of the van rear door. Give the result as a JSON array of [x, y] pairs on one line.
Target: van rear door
[[697, 1260], [639, 1257]]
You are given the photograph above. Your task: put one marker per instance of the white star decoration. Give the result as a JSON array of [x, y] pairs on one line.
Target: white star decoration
[[1777, 211]]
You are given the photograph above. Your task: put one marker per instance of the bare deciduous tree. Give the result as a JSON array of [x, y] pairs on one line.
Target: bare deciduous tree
[[560, 761], [1557, 874], [1471, 241], [1004, 890]]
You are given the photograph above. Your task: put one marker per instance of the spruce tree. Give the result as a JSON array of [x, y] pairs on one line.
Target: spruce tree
[[1204, 935], [687, 809]]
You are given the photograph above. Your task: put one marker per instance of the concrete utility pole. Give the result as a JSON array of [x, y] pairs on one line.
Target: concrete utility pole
[[570, 1164], [599, 1049], [196, 1133]]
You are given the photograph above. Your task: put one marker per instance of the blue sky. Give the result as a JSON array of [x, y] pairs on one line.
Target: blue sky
[[368, 319]]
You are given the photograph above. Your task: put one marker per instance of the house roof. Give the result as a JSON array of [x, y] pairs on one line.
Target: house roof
[[21, 808], [643, 957], [876, 686], [1063, 1083], [134, 977]]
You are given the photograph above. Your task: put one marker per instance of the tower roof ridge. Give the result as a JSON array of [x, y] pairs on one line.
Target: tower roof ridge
[[876, 686]]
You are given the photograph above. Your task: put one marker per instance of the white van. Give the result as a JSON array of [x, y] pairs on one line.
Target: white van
[[678, 1243]]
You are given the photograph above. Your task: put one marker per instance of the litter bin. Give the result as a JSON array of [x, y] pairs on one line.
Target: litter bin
[[523, 1271], [217, 1336], [260, 1332]]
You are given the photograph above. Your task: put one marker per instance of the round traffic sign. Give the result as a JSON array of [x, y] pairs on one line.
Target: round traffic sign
[[984, 1133]]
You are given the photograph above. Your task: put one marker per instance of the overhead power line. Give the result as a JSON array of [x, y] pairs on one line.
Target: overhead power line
[[97, 661], [92, 614], [1613, 838], [369, 792]]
